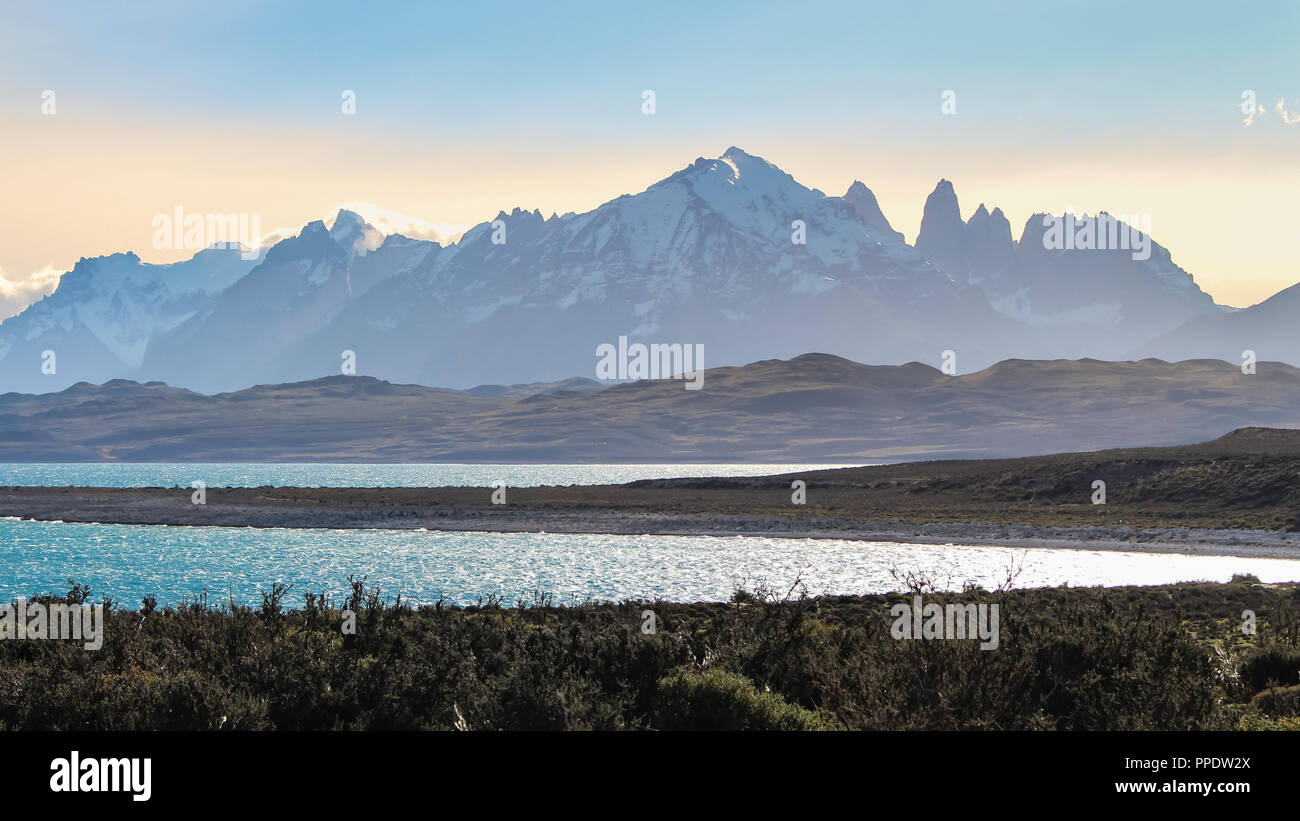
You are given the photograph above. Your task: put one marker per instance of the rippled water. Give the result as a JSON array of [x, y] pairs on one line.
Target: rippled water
[[350, 475], [175, 563]]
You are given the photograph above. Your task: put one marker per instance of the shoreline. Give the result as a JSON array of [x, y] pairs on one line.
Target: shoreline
[[299, 509]]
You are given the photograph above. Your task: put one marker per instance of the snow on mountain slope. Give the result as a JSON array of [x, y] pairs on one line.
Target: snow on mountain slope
[[1099, 302], [868, 210], [101, 317], [1068, 289], [730, 252], [300, 286]]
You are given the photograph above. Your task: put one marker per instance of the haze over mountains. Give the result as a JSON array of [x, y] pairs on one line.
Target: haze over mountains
[[814, 407], [710, 255], [1269, 329], [105, 314]]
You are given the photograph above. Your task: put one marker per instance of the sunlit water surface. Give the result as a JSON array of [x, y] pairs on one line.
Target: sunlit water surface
[[352, 475], [128, 562]]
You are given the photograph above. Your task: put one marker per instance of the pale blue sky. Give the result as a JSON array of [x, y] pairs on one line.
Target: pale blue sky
[[1096, 105], [1081, 67]]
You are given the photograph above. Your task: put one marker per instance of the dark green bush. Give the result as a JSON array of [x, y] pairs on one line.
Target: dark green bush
[[718, 700], [1269, 666], [1279, 701], [1068, 659]]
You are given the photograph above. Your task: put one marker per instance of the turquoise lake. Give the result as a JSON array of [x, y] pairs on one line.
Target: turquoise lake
[[128, 562]]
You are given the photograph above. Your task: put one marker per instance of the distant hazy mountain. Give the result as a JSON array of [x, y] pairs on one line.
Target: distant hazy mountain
[[1093, 302], [868, 210], [730, 253], [104, 313], [577, 383], [246, 334], [811, 408], [1271, 329]]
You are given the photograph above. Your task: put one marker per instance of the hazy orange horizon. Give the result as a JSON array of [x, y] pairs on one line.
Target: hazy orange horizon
[[456, 119], [87, 194]]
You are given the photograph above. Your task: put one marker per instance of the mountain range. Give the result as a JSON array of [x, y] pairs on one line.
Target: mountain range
[[815, 407], [731, 253]]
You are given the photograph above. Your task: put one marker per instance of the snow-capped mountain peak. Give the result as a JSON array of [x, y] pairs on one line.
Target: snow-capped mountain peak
[[864, 203], [100, 319], [351, 231], [730, 252]]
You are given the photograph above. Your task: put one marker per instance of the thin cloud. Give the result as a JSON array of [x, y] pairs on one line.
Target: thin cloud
[[394, 222], [1260, 111], [18, 293]]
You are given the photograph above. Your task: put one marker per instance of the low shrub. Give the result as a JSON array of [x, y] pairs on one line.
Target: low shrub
[[718, 700], [1278, 701], [1269, 666]]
